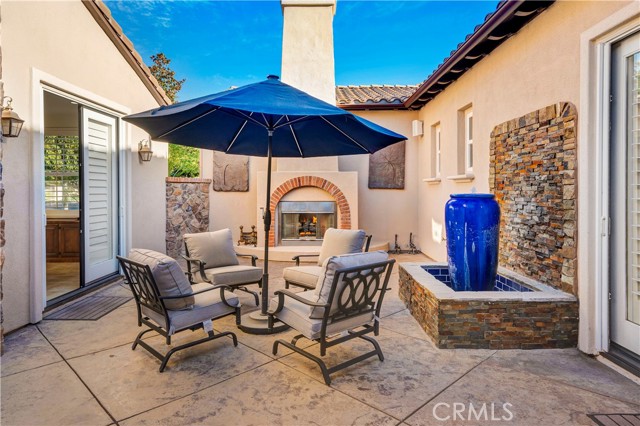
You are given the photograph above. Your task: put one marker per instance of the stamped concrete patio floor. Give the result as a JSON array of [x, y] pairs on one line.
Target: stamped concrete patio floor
[[85, 373]]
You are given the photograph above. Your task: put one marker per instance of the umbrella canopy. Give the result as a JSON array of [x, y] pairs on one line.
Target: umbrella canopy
[[236, 121]]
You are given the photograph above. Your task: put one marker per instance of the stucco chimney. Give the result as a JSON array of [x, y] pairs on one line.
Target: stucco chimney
[[308, 63]]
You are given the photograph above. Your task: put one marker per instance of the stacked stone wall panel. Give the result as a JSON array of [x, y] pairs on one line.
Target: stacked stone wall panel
[[533, 175], [187, 211]]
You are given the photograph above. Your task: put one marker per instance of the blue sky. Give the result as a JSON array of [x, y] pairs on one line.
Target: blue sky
[[218, 44]]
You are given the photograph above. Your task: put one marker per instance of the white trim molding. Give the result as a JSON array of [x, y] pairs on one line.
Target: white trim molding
[[593, 159], [41, 82]]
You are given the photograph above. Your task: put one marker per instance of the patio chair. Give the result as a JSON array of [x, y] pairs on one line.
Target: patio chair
[[211, 258], [335, 243], [345, 305], [168, 304]]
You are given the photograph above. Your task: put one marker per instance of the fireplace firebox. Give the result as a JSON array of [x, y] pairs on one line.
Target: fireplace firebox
[[305, 222]]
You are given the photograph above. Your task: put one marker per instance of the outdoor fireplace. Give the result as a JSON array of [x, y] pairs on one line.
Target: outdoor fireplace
[[305, 222]]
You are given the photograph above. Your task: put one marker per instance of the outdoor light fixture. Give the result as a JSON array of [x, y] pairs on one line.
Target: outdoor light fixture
[[144, 150], [11, 123], [417, 128]]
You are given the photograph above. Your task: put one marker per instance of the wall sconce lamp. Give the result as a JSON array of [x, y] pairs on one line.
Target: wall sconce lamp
[[11, 123], [144, 150]]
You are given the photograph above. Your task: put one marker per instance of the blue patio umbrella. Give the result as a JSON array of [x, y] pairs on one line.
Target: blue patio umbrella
[[265, 119]]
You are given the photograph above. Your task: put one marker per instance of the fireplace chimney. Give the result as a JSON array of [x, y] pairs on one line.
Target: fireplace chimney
[[308, 63]]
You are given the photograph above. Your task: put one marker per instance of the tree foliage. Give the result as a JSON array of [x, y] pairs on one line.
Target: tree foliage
[[184, 161], [166, 76]]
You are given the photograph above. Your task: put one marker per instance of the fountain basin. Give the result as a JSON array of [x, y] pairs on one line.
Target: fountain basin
[[535, 317]]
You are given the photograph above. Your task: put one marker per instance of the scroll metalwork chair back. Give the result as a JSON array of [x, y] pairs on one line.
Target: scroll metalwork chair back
[[147, 295], [352, 310]]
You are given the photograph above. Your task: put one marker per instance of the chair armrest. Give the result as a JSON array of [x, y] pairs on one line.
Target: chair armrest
[[297, 258], [252, 256], [200, 265], [281, 295], [220, 287]]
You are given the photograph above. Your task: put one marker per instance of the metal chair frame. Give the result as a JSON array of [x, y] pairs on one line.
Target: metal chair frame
[[197, 266], [287, 284], [145, 292], [363, 292]]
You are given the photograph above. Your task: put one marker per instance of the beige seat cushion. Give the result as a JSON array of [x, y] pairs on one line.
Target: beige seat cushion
[[303, 275], [215, 249], [296, 315], [207, 306], [234, 275], [168, 275], [340, 241], [328, 273]]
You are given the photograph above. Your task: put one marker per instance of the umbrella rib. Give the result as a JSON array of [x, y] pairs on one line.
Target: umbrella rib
[[295, 138], [186, 123], [346, 135], [288, 123], [236, 136], [248, 117]]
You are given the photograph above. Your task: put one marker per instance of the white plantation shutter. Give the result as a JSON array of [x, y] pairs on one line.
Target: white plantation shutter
[[100, 200]]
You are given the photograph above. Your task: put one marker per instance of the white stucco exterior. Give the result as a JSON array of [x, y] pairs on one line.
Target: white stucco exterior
[[60, 45]]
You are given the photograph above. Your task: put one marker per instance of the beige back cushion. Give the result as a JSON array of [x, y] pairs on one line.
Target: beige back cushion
[[331, 265], [168, 275], [215, 249], [341, 241]]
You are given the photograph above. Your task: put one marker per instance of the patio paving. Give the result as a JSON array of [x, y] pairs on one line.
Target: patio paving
[[85, 373]]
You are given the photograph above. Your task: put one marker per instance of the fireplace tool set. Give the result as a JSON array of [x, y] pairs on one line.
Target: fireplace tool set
[[413, 249]]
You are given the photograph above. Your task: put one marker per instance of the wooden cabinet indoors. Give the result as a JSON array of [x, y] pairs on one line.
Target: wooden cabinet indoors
[[63, 240]]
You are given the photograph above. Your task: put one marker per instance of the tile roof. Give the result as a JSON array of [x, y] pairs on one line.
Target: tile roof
[[373, 96], [102, 15]]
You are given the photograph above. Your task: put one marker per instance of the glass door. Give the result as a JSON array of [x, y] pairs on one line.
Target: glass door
[[625, 195]]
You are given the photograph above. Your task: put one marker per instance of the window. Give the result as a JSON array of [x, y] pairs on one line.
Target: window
[[438, 151], [62, 172], [436, 154], [468, 140]]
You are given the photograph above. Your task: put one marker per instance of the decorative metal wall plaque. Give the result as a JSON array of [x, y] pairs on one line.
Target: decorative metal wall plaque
[[230, 172], [386, 167]]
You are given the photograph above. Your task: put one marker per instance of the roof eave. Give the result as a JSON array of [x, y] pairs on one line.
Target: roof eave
[[501, 15], [102, 15]]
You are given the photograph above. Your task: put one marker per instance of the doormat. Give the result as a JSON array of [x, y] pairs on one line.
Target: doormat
[[89, 309], [616, 419]]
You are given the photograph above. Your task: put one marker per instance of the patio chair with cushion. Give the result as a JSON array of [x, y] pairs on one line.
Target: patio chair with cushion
[[345, 305], [211, 258], [335, 243], [168, 304]]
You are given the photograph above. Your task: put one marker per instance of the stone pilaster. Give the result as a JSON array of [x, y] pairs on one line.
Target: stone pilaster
[[187, 211]]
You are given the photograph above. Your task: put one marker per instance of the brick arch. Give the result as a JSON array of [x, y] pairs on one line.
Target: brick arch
[[344, 216]]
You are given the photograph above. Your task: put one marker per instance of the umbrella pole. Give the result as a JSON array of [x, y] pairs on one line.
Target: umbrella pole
[[259, 324], [267, 228]]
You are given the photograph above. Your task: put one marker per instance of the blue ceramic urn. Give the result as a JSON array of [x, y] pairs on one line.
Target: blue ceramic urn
[[472, 222]]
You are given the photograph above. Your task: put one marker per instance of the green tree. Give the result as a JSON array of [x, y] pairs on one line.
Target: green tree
[[184, 161], [166, 76]]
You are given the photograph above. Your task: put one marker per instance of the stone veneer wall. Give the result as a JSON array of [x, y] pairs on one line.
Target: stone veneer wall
[[486, 324], [533, 175], [187, 210]]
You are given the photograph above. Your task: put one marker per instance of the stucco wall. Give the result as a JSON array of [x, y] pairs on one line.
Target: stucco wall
[[381, 212], [535, 68], [63, 40]]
